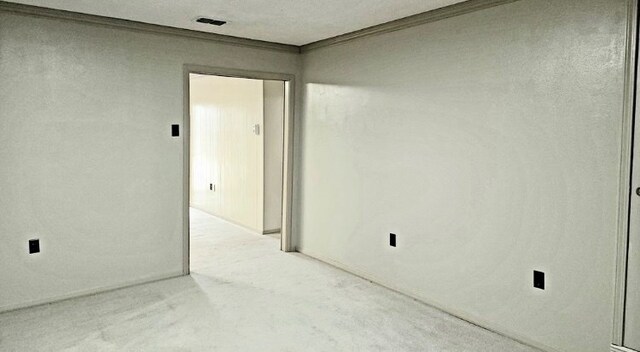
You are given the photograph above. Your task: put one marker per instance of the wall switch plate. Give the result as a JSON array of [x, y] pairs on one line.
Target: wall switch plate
[[392, 239], [34, 246], [538, 279], [175, 130]]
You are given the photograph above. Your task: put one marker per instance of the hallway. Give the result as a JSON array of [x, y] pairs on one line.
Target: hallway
[[246, 295]]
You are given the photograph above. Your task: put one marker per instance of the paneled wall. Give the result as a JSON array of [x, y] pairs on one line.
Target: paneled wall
[[227, 151]]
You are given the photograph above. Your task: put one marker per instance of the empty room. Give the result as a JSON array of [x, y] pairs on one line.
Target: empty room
[[388, 175]]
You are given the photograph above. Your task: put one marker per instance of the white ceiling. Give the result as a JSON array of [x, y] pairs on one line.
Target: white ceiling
[[283, 21]]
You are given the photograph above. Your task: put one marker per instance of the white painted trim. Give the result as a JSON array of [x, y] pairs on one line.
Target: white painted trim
[[89, 292], [287, 242], [408, 22], [615, 348], [186, 171], [230, 221], [30, 10], [625, 186], [447, 309], [286, 239]]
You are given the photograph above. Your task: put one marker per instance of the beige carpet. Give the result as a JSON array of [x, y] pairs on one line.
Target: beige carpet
[[246, 295]]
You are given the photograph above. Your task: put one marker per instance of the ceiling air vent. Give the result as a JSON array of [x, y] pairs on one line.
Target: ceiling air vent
[[210, 21]]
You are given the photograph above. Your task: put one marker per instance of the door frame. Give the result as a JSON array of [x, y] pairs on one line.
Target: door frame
[[625, 189], [286, 238]]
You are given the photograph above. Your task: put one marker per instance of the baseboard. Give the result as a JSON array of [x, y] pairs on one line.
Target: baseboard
[[268, 232], [88, 292], [615, 348], [225, 219], [449, 310]]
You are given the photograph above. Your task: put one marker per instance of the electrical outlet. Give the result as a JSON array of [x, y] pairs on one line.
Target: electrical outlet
[[392, 239], [538, 279], [34, 246], [211, 186], [175, 130]]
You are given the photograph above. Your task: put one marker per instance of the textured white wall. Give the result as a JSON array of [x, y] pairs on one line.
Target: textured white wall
[[490, 144], [273, 148], [88, 163], [225, 151]]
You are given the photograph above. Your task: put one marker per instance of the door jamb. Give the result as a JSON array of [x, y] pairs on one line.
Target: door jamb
[[627, 136], [286, 242]]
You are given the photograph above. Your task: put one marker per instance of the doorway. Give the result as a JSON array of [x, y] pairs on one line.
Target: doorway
[[238, 145]]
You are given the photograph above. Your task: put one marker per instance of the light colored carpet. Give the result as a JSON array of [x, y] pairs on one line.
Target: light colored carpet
[[246, 295]]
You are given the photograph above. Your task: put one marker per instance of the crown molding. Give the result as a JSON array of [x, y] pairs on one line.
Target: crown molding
[[143, 27], [407, 22], [396, 25]]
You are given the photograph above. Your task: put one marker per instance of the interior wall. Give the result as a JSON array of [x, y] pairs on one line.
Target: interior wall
[[490, 144], [273, 148], [227, 155], [88, 162]]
